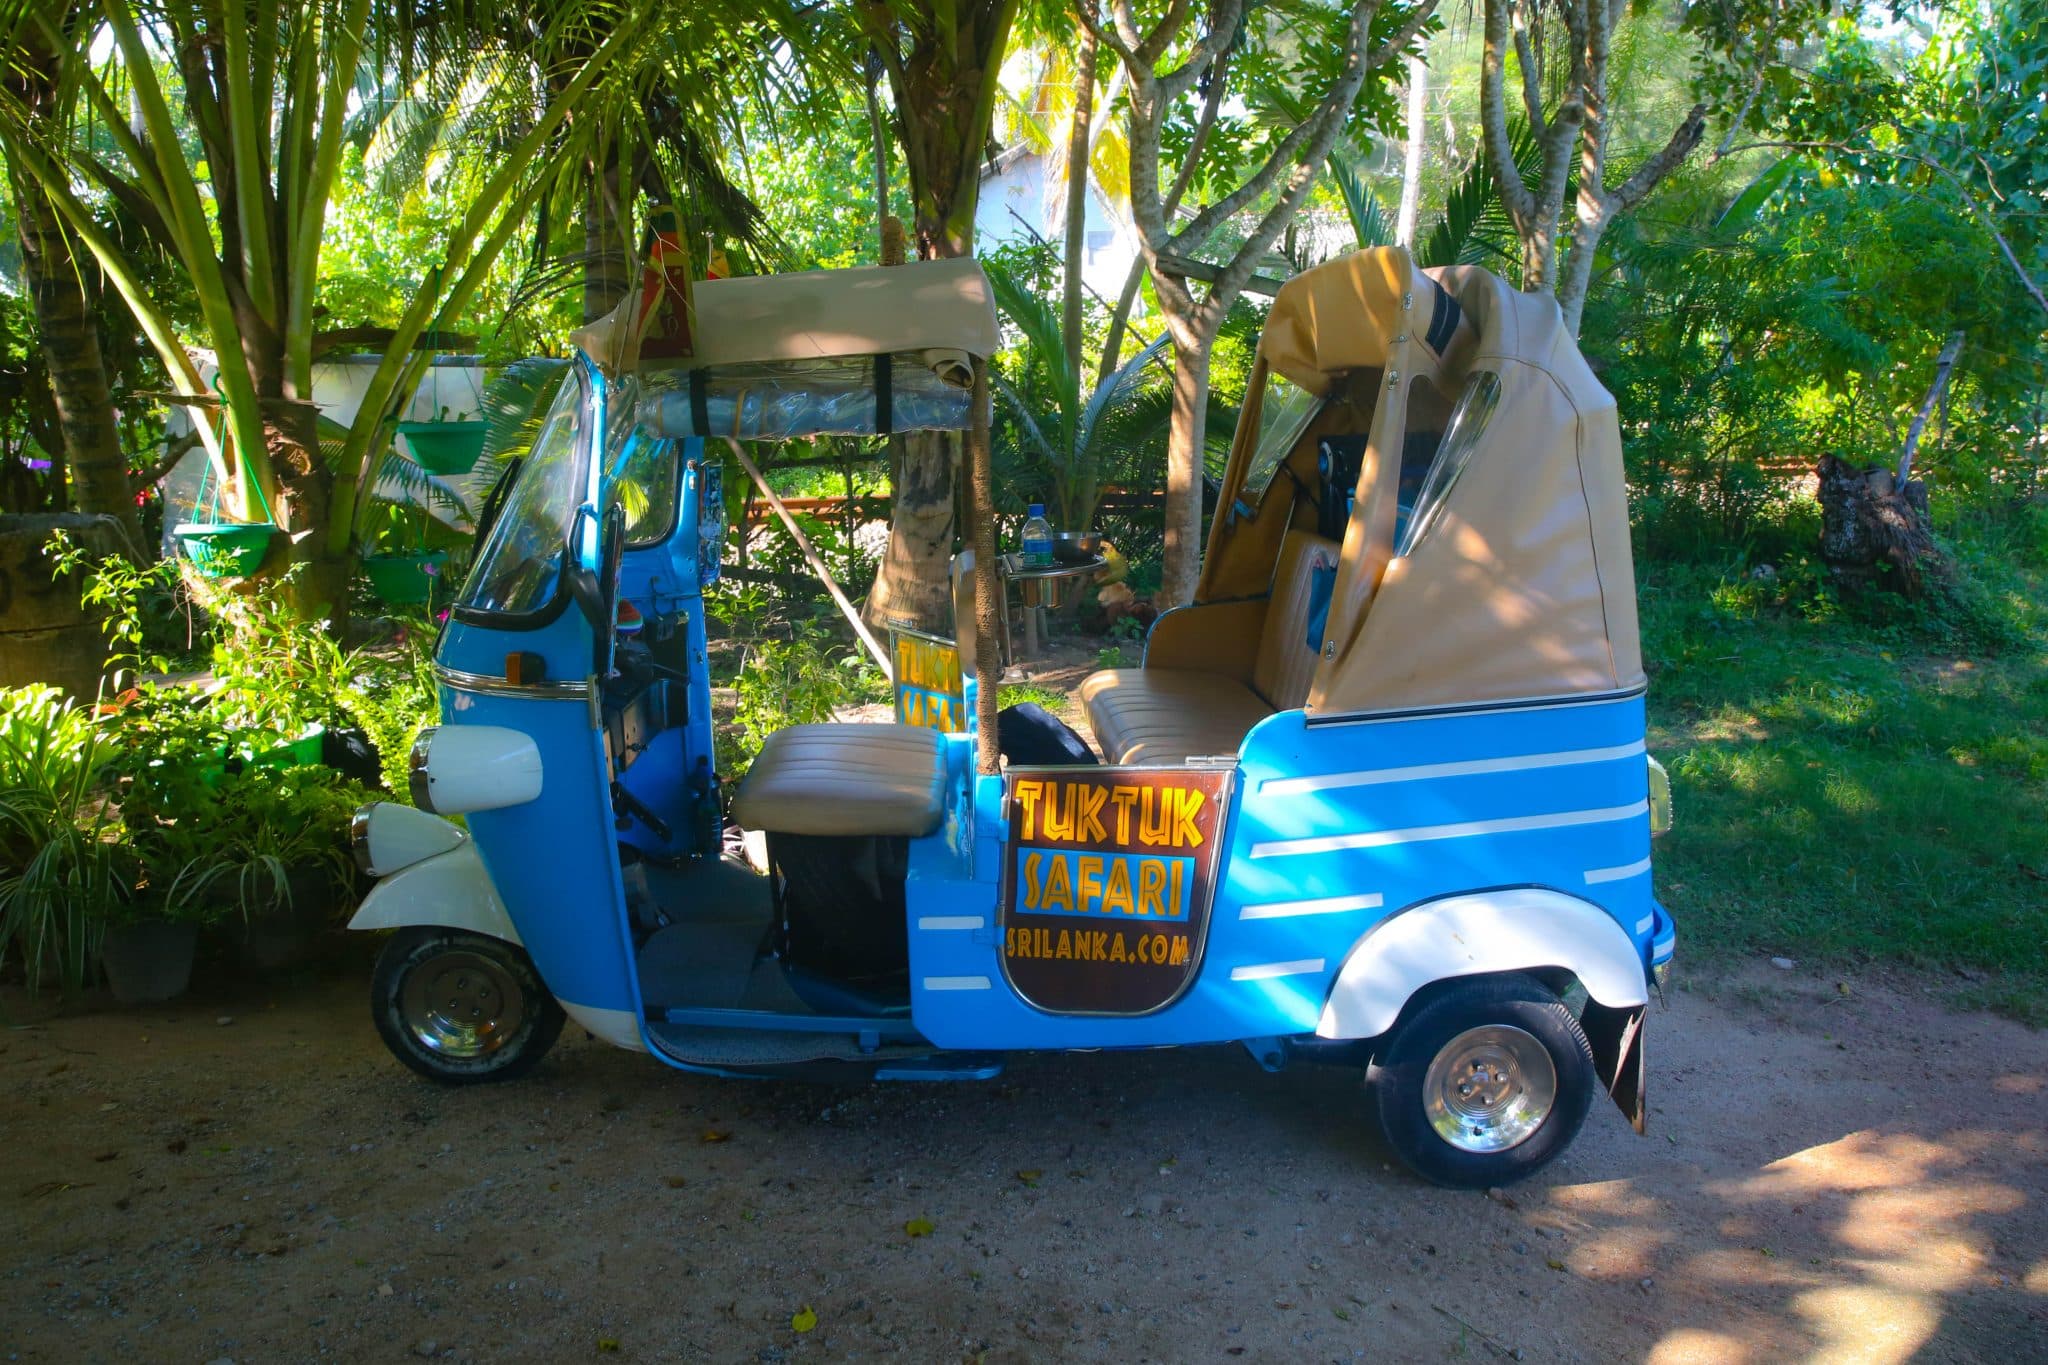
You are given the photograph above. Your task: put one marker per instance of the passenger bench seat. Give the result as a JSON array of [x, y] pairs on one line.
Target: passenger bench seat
[[1158, 715], [834, 778]]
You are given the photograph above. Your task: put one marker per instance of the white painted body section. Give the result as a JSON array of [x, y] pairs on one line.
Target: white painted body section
[[450, 889], [617, 1027], [1493, 931], [395, 836], [477, 767]]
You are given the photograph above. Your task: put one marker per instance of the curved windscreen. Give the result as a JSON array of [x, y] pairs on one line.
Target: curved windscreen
[[518, 567]]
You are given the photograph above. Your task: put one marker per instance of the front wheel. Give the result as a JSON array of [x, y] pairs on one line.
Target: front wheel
[[1485, 1083], [462, 1008]]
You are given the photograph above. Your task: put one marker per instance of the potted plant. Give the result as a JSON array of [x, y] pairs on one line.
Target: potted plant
[[401, 569], [285, 867], [445, 445], [64, 866]]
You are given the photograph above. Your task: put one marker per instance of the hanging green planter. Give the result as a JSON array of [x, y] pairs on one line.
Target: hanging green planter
[[444, 447], [405, 580], [225, 549]]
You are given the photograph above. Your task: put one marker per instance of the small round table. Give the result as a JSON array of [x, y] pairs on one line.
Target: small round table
[[1042, 586]]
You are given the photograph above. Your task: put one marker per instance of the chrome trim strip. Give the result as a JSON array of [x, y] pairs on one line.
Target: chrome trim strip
[[1268, 971], [1508, 705], [956, 983], [1328, 905], [1384, 838], [491, 685], [1595, 876], [949, 921], [1421, 772]]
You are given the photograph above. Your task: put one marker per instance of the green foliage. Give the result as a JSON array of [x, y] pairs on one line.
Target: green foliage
[[132, 602], [1842, 799], [391, 697], [63, 867], [792, 682]]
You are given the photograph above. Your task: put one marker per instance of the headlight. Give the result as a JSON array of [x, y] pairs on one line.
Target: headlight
[[461, 768], [1660, 799], [385, 837]]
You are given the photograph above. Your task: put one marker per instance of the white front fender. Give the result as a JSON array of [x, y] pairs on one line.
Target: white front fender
[[450, 889], [1491, 931]]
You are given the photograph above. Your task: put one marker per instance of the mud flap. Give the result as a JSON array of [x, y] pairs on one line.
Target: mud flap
[[1617, 1039]]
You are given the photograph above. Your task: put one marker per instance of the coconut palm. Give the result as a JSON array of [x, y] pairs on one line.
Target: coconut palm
[[264, 89]]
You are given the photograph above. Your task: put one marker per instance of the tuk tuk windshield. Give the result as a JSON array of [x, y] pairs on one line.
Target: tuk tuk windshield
[[518, 567]]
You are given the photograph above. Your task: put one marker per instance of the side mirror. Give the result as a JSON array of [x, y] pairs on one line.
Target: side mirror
[[596, 593]]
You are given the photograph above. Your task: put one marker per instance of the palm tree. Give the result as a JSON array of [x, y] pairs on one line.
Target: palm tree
[[265, 87], [1054, 428], [65, 322]]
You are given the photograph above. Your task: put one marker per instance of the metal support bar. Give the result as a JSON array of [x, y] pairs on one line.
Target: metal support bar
[[803, 542], [882, 1030]]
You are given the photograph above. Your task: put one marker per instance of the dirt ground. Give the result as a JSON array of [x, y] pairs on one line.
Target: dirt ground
[[1834, 1171]]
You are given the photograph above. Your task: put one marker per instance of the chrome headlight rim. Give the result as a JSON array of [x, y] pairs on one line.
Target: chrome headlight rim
[[418, 781]]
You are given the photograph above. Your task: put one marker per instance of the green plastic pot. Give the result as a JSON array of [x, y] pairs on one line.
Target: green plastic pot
[[224, 549], [294, 753], [444, 447], [404, 580]]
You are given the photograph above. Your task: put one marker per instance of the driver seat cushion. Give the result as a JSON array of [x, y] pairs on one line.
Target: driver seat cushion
[[835, 778]]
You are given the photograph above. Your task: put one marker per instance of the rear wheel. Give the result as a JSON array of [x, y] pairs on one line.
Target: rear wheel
[[1485, 1083], [461, 1008]]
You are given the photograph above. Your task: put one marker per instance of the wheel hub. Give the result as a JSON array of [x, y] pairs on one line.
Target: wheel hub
[[461, 1004], [1490, 1088]]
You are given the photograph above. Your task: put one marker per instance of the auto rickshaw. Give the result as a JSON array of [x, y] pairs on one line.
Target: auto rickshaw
[[1379, 798]]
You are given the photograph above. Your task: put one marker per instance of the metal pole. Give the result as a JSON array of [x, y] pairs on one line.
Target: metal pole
[[803, 542], [987, 588]]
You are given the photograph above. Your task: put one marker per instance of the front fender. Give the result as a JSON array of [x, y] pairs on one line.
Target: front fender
[[1472, 935], [450, 889]]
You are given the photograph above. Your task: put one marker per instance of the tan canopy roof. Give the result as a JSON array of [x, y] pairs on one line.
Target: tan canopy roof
[[939, 311], [1518, 583]]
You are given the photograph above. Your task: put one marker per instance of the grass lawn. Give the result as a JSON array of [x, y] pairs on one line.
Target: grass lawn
[[1844, 798]]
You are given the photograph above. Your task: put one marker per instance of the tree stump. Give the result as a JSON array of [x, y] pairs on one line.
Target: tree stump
[[1877, 534], [46, 634]]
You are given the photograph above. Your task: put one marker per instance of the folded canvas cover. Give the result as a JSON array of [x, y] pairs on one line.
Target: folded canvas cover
[[1514, 579]]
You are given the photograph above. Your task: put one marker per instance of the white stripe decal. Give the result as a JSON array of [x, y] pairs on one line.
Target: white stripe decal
[[1646, 924], [1618, 874], [1331, 905], [1268, 970], [1288, 786], [949, 921], [956, 983], [1385, 838]]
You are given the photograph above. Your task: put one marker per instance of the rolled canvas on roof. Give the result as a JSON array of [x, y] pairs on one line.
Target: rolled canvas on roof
[[939, 311]]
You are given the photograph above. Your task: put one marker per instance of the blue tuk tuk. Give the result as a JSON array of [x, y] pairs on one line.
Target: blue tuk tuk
[[1379, 798]]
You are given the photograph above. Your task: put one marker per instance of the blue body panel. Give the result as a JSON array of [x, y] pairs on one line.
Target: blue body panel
[[1331, 828]]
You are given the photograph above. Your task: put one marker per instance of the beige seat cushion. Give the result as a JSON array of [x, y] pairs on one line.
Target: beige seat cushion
[[1159, 715], [845, 779]]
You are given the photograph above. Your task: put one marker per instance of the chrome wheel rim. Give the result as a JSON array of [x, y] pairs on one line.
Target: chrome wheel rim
[[1490, 1088], [461, 1005]]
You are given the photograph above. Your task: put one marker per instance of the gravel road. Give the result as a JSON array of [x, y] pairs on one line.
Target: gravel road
[[1834, 1171]]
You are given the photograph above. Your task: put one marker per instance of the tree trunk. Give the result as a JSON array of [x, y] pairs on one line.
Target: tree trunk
[[607, 273], [78, 378], [944, 88], [1077, 193], [1411, 161], [1185, 444], [1876, 533]]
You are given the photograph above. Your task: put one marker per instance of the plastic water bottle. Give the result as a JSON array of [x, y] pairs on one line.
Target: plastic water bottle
[[1037, 539]]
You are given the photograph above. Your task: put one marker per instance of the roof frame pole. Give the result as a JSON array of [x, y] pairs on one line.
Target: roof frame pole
[[817, 563], [988, 588]]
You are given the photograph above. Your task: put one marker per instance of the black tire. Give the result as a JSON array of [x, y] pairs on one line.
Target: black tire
[[462, 1008], [1507, 1130]]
